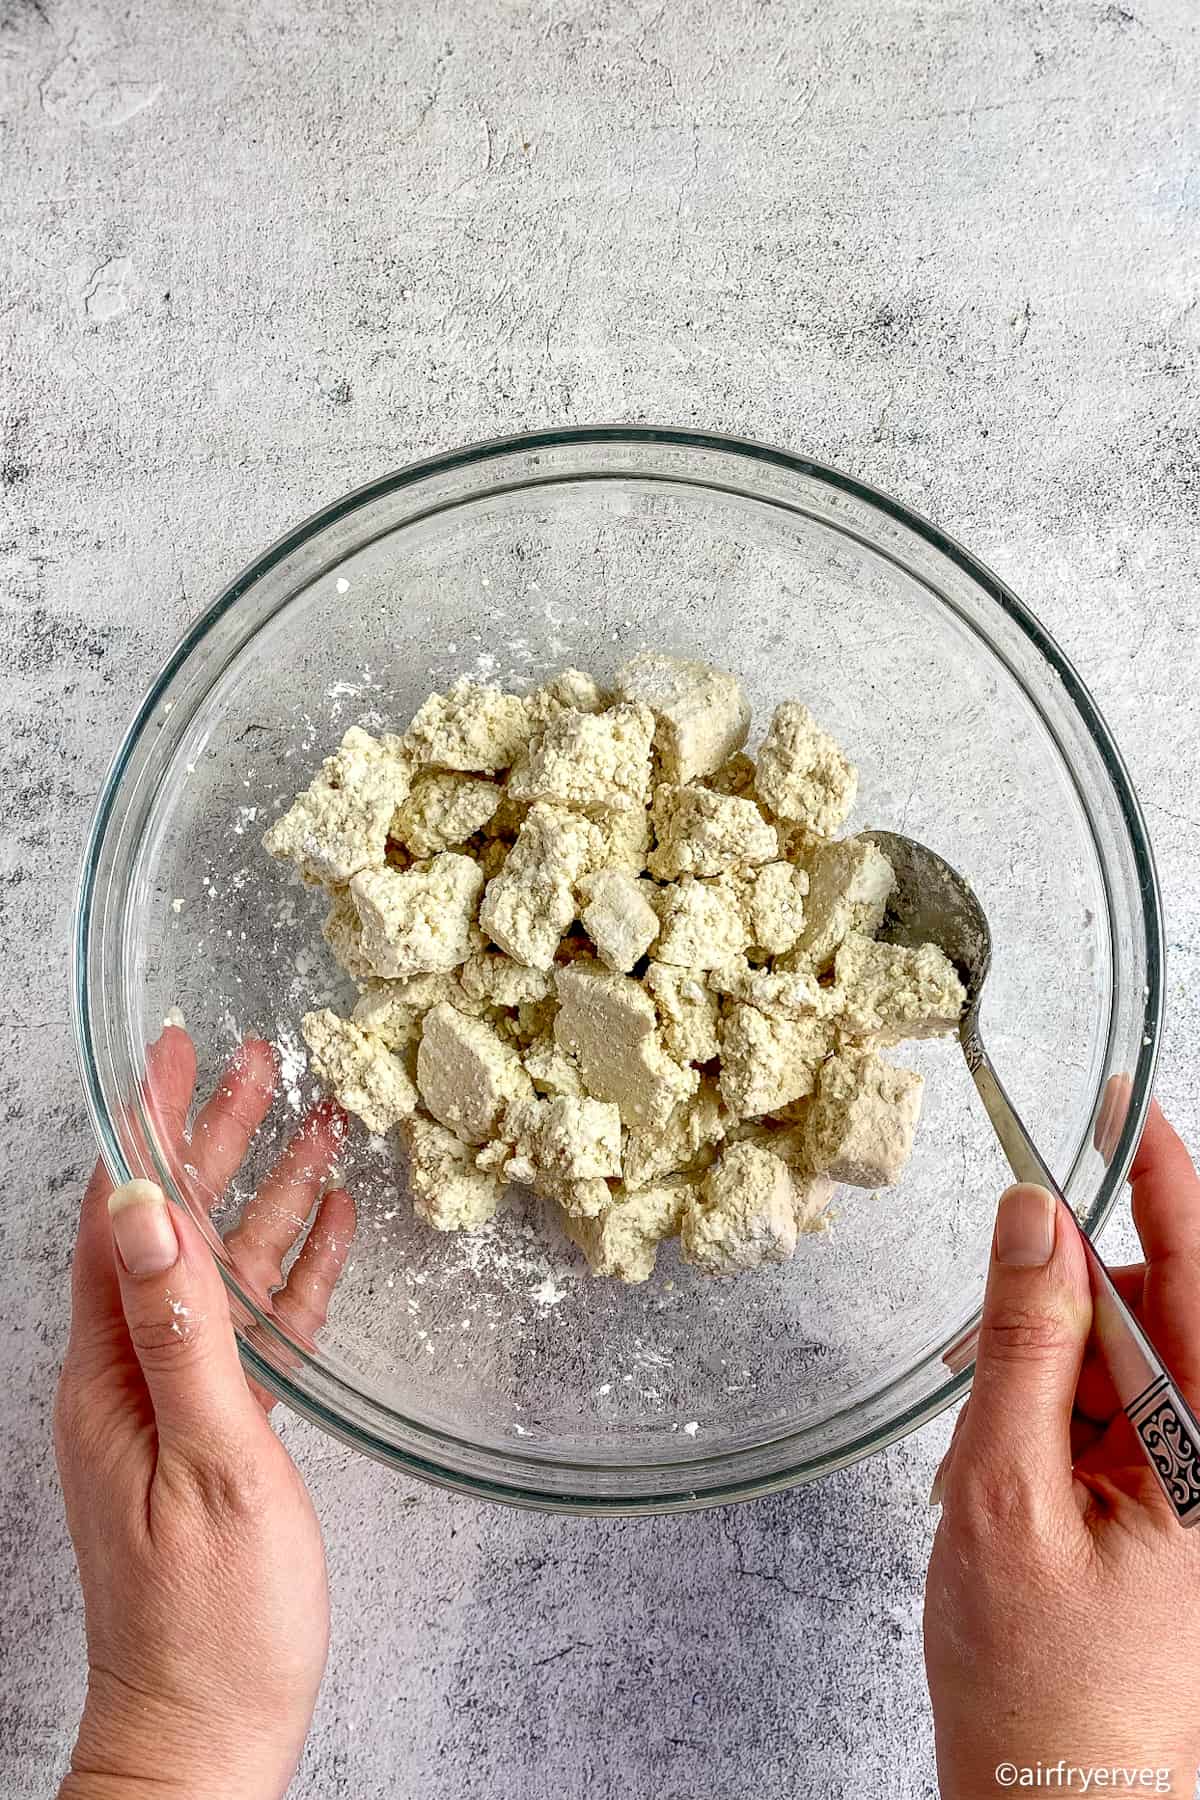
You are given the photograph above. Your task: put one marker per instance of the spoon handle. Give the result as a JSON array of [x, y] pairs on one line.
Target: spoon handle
[[1165, 1425]]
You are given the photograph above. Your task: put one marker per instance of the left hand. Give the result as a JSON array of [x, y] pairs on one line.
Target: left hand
[[199, 1552]]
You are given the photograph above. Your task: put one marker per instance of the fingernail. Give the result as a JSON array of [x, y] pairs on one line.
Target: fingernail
[[939, 1482], [142, 1228], [1025, 1227]]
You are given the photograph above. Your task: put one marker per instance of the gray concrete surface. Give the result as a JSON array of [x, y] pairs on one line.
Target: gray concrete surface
[[259, 250]]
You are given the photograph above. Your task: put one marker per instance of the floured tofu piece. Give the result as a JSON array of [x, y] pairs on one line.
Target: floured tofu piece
[[492, 977], [571, 691], [622, 1241], [365, 1076], [684, 1141], [339, 824], [889, 992], [811, 1197], [467, 1074], [342, 931], [767, 1062], [609, 1025], [595, 762], [700, 714], [773, 905], [781, 993], [530, 904], [476, 729], [736, 776], [448, 1191], [551, 1070], [687, 1012], [863, 1119], [700, 832], [701, 923], [617, 917], [803, 774], [418, 920], [564, 1148], [442, 809], [849, 883], [622, 841], [744, 1215]]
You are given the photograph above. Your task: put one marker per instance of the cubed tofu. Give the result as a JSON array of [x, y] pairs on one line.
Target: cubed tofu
[[561, 1143], [608, 1024], [744, 1215], [467, 1074], [473, 728], [811, 1196], [550, 1069], [849, 883], [622, 1241], [687, 1012], [766, 1062], [736, 776], [863, 1119], [701, 923], [699, 832], [340, 823], [773, 905], [571, 691], [781, 993], [442, 809], [594, 762], [701, 716], [342, 931], [418, 920], [622, 841], [492, 977], [530, 904], [365, 1076], [889, 992], [685, 1140], [617, 917], [448, 1191], [803, 774]]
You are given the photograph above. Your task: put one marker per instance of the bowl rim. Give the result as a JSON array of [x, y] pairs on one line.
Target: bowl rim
[[716, 1491]]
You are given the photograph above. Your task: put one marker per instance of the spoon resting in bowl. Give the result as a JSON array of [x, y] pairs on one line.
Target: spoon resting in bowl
[[931, 903]]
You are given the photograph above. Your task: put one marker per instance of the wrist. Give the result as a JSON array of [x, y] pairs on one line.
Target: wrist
[[135, 1746]]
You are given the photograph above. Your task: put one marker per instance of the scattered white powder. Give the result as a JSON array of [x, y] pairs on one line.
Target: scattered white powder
[[692, 1427], [173, 1016], [343, 586]]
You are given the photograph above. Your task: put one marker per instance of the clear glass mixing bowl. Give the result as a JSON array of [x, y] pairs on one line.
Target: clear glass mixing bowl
[[494, 1363]]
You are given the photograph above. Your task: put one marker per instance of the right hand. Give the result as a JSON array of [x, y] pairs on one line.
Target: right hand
[[1062, 1612], [199, 1553]]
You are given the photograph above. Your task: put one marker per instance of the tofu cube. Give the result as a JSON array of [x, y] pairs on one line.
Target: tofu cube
[[617, 917], [529, 905], [701, 924], [780, 993], [448, 1191], [734, 777], [849, 884], [700, 714], [863, 1119], [622, 840], [702, 833], [622, 1241], [687, 1012], [803, 774], [467, 1074], [767, 1062], [342, 931], [744, 1215], [550, 1069], [418, 920], [365, 1076], [571, 691], [497, 980], [684, 1141], [889, 992], [773, 904], [608, 1024], [595, 762], [473, 728], [340, 823], [443, 809], [564, 1148]]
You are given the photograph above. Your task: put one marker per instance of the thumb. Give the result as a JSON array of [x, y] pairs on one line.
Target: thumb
[[1037, 1314], [178, 1319]]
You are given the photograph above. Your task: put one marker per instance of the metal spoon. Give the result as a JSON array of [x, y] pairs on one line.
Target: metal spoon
[[932, 904]]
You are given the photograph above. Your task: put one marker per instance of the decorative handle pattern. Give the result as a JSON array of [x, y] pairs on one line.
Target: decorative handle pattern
[[1171, 1438]]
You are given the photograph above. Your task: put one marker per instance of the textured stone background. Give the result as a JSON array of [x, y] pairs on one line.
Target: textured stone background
[[256, 251]]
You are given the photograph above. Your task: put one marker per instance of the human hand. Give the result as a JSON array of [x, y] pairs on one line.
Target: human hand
[[199, 1552], [1062, 1610]]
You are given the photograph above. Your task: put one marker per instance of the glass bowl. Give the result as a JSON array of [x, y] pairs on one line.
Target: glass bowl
[[494, 1363]]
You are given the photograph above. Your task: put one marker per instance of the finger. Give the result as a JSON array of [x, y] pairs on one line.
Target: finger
[[302, 1303], [1015, 1449], [178, 1321], [1095, 1396], [942, 1471], [1110, 1120], [226, 1123], [1166, 1211], [95, 1292], [274, 1218]]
